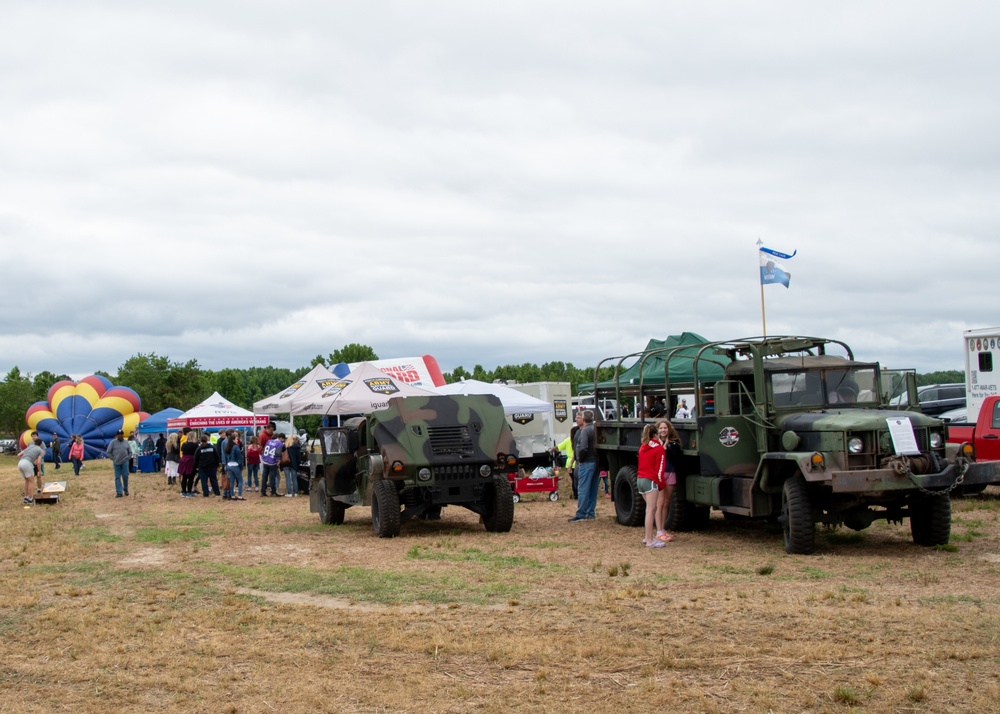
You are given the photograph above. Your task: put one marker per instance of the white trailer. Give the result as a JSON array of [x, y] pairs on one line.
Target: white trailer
[[535, 434], [982, 368]]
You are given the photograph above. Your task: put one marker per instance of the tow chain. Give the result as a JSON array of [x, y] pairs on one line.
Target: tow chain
[[963, 466]]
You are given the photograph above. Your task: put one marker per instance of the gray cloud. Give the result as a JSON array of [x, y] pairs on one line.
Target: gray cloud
[[244, 184]]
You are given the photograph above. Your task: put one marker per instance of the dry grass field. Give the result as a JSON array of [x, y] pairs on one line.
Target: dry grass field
[[158, 603]]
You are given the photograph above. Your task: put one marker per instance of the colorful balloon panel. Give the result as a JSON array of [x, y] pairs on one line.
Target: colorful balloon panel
[[94, 408]]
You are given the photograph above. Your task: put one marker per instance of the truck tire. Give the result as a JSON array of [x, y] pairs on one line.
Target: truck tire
[[796, 517], [331, 513], [930, 520], [385, 509], [630, 509], [683, 515], [501, 513]]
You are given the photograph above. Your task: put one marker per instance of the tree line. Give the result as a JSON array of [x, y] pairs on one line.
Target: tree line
[[162, 383]]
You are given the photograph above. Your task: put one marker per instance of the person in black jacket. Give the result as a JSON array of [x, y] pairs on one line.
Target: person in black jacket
[[206, 462]]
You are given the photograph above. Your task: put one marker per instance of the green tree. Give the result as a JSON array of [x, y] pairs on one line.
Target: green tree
[[231, 383], [41, 384], [16, 395], [950, 376], [352, 353], [147, 376], [161, 383]]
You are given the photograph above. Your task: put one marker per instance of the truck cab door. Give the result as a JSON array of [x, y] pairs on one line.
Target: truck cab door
[[988, 432]]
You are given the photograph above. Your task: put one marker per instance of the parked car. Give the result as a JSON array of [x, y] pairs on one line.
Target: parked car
[[938, 398], [957, 416], [8, 446]]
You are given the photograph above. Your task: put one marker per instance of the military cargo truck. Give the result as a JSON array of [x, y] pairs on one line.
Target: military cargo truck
[[414, 458], [789, 432]]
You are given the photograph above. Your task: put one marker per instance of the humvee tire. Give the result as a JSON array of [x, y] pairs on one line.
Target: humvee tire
[[331, 513], [630, 508], [797, 525], [501, 515], [385, 509], [930, 520]]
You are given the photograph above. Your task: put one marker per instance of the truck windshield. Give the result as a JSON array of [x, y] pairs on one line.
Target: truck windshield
[[819, 388]]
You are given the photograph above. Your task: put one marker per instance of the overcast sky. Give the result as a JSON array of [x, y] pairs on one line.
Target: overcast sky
[[253, 183]]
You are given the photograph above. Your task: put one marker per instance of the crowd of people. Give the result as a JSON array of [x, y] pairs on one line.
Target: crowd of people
[[214, 464]]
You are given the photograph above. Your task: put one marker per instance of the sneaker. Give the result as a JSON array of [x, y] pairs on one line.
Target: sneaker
[[28, 500], [126, 491], [656, 544], [118, 495], [577, 518]]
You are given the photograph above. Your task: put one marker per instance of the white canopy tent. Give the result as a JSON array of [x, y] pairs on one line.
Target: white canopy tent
[[314, 382], [216, 411], [514, 402], [364, 390]]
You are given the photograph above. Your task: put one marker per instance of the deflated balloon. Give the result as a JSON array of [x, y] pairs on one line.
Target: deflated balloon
[[93, 408]]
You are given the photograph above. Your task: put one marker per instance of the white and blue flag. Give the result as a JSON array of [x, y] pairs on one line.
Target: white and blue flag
[[772, 268]]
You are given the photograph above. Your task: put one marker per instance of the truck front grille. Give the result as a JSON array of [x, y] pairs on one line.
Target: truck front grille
[[450, 440], [462, 472]]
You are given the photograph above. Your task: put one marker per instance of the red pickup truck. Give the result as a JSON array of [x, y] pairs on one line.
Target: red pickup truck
[[979, 441]]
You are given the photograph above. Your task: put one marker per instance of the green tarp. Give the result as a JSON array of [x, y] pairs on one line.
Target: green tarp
[[711, 367]]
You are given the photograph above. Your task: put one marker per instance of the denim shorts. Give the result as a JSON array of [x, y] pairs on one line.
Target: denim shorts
[[646, 485]]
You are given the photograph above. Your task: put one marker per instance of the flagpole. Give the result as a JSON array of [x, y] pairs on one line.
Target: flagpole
[[763, 314]]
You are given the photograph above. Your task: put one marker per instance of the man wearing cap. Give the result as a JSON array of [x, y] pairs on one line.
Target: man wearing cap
[[120, 454], [682, 411]]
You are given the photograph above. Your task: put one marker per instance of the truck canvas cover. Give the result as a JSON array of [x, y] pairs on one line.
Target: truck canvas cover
[[711, 367]]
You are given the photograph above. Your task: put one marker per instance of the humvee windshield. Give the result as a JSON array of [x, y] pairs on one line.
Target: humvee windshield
[[821, 388]]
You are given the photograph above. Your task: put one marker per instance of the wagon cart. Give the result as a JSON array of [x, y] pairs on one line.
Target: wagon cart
[[535, 482]]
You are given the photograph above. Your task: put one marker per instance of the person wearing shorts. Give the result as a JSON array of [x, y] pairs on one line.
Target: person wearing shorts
[[28, 461], [650, 482], [672, 449]]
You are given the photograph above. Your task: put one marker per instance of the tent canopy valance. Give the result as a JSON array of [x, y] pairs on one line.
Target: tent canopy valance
[[217, 411]]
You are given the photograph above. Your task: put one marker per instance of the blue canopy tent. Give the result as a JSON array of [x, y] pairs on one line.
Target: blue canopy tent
[[157, 423]]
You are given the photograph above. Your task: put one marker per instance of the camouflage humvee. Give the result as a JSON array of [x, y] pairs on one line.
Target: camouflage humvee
[[784, 431], [415, 457]]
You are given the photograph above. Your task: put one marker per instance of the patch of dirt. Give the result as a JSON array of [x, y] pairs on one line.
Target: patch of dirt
[[147, 556], [334, 603]]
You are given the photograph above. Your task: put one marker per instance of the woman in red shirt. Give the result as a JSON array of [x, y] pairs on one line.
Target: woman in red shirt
[[652, 460]]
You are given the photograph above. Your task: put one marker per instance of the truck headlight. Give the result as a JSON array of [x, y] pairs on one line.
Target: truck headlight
[[855, 445], [485, 470], [936, 441], [424, 474]]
